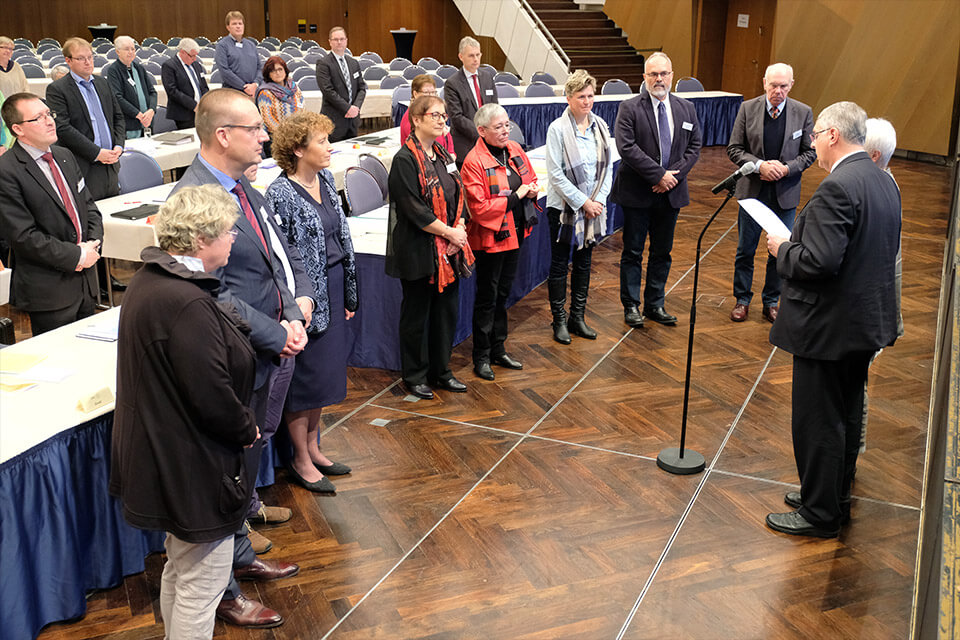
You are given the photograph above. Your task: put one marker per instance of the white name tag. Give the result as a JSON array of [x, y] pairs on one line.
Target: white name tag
[[238, 45], [452, 167], [797, 133], [356, 74], [81, 185], [132, 83], [277, 219], [489, 92], [687, 126]]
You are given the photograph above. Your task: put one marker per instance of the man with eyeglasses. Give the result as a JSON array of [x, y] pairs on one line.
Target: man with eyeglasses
[[49, 218], [182, 78], [774, 133], [340, 79], [658, 137]]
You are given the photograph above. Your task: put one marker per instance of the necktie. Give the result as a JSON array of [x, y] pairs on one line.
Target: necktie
[[663, 124], [775, 112], [346, 79], [476, 87], [192, 76], [64, 194], [252, 219], [99, 119]]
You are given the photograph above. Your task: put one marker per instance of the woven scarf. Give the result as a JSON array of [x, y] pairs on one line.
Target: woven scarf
[[575, 228], [283, 92], [448, 267]]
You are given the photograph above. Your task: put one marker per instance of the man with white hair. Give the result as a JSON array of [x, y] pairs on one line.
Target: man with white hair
[[182, 78], [774, 133], [58, 72], [464, 93], [133, 86], [838, 308]]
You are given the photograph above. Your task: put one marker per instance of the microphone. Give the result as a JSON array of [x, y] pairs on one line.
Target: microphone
[[747, 168]]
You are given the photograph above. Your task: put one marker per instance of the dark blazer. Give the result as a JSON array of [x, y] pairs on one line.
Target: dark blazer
[[180, 102], [638, 141], [35, 223], [797, 152], [119, 78], [838, 269], [335, 104], [74, 128], [462, 106], [251, 278]]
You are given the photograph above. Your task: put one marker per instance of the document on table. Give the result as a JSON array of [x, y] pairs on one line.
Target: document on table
[[766, 218]]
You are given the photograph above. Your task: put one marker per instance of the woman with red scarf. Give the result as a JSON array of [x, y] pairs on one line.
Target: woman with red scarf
[[427, 249]]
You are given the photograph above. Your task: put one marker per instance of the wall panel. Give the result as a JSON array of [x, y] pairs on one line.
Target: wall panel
[[658, 24]]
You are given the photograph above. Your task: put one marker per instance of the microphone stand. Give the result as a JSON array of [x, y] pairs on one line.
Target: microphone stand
[[681, 461]]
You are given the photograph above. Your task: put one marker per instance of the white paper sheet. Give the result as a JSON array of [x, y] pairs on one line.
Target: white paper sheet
[[766, 218]]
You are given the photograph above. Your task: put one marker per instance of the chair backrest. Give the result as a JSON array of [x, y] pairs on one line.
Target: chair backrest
[[161, 123], [373, 56], [47, 50], [29, 59], [174, 41], [100, 61], [202, 41], [538, 90], [55, 60], [489, 67], [365, 63], [615, 86], [505, 90], [400, 93], [293, 40], [23, 41], [313, 58], [377, 169], [362, 191], [306, 45], [392, 82], [159, 47], [375, 73], [286, 56], [438, 82], [149, 40], [446, 70], [308, 82], [145, 53], [296, 64], [138, 171], [293, 52], [413, 71], [207, 53], [99, 41], [516, 134], [428, 63], [543, 76], [399, 64], [302, 72], [52, 41], [507, 77], [216, 76], [272, 40], [153, 68], [689, 84], [103, 48], [33, 70]]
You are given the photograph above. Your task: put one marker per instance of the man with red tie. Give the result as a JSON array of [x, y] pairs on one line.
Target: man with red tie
[[465, 92], [48, 216]]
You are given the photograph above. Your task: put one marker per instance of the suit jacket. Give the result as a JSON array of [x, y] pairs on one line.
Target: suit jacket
[[335, 102], [251, 278], [126, 93], [180, 102], [462, 106], [74, 128], [838, 268], [34, 221], [638, 141], [797, 152]]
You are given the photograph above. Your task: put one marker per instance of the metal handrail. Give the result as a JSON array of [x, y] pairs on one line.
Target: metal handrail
[[543, 29]]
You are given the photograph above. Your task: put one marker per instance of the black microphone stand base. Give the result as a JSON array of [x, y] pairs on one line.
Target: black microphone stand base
[[690, 462]]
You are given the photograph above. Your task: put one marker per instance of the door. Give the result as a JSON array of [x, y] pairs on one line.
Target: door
[[747, 45]]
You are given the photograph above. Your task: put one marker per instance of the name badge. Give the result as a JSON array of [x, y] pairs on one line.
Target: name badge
[[452, 167], [81, 185], [277, 219], [356, 74], [797, 133], [687, 126], [132, 83], [238, 45], [489, 92]]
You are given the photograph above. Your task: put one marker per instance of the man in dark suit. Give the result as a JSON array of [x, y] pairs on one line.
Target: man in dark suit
[[774, 133], [341, 80], [182, 78], [49, 218], [258, 280], [658, 137], [464, 92], [839, 307], [89, 120], [133, 87]]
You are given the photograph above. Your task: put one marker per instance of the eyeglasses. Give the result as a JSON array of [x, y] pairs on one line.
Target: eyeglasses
[[436, 115], [233, 233], [81, 58], [813, 136], [500, 128], [428, 92], [42, 116], [662, 74], [252, 128]]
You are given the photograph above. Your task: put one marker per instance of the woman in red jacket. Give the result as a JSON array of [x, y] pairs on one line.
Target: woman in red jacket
[[501, 195]]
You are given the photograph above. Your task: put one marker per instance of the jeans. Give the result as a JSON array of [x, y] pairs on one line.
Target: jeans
[[749, 232]]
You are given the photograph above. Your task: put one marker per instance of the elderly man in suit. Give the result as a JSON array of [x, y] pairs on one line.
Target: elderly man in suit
[[466, 91], [839, 307], [258, 280], [182, 78], [133, 87], [90, 122], [658, 137], [49, 218], [236, 57], [341, 80], [774, 133]]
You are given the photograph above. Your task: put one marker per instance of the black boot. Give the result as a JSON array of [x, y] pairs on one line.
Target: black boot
[[579, 283], [557, 291]]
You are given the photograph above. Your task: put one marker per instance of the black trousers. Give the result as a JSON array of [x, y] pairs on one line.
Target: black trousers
[[428, 321], [827, 417], [658, 223], [560, 251], [43, 321], [494, 273]]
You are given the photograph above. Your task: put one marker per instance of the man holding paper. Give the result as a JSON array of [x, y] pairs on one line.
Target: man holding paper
[[839, 308], [774, 133]]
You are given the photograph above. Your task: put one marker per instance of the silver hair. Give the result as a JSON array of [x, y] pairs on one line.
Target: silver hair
[[882, 137], [121, 39], [655, 55], [58, 72], [846, 117], [779, 66], [188, 45], [487, 113], [467, 41]]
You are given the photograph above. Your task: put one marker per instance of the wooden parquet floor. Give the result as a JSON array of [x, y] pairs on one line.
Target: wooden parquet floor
[[532, 507]]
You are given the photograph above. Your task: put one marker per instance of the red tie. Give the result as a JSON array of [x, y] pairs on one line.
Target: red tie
[[64, 194], [476, 87], [251, 217]]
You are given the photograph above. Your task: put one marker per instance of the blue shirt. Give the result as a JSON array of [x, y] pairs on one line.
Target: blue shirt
[[238, 62], [95, 110], [559, 187]]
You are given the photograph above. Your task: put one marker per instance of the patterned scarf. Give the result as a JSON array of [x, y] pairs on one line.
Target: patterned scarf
[[575, 228], [448, 267]]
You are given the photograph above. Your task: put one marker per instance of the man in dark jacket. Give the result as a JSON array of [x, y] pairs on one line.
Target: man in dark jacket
[[340, 79], [182, 78]]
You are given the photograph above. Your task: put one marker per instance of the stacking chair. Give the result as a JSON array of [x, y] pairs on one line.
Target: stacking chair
[[505, 90], [138, 171], [538, 90], [507, 77], [372, 55], [313, 58], [377, 169], [300, 73], [103, 48], [446, 70], [216, 76], [489, 67], [203, 42], [438, 82], [428, 63], [33, 70], [308, 82], [689, 84], [362, 191], [174, 41], [375, 74], [413, 71], [400, 94], [365, 63], [161, 123], [615, 86], [392, 82], [207, 52], [23, 41], [153, 68], [267, 48], [516, 134], [150, 40], [543, 76], [306, 45], [399, 64]]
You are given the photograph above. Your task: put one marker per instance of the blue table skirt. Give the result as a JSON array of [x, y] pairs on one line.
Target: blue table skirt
[[716, 114]]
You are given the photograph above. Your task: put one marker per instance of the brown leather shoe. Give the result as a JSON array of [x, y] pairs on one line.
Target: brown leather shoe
[[271, 515], [266, 570], [244, 612], [260, 543], [739, 313], [770, 313]]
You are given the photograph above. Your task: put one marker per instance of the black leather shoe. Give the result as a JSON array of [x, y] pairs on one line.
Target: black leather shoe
[[483, 370], [659, 315], [507, 362], [333, 469], [450, 384], [796, 525], [116, 285], [792, 498], [632, 316], [419, 390], [323, 485]]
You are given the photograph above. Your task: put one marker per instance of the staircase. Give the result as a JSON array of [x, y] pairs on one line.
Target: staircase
[[592, 41]]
